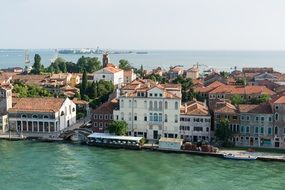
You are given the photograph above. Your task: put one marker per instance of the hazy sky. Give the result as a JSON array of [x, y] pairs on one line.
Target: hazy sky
[[143, 24]]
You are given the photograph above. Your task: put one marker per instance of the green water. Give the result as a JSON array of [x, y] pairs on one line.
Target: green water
[[26, 165]]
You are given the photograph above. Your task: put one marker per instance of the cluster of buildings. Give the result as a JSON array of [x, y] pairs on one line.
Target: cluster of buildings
[[155, 110]]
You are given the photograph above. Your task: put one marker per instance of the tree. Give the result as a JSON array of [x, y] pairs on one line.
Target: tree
[[187, 88], [237, 99], [223, 133], [124, 64], [224, 74], [83, 86], [37, 64], [118, 127], [92, 92], [90, 64], [241, 81]]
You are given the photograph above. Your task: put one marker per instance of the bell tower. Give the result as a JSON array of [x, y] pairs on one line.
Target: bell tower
[[105, 59]]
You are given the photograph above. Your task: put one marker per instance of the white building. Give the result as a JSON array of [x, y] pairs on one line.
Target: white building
[[41, 115], [151, 110], [5, 104], [110, 73], [195, 122]]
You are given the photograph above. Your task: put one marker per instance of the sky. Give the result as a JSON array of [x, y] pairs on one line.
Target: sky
[[143, 24]]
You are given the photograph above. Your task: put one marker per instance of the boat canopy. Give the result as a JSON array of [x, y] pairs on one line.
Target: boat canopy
[[113, 137]]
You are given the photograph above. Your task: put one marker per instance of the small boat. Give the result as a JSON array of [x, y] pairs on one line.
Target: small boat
[[239, 157]]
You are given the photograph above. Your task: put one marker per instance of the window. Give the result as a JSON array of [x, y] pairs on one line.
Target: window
[[247, 129], [46, 116], [160, 95], [165, 118], [235, 117], [24, 116], [276, 107], [103, 76], [242, 129], [150, 105], [122, 103], [106, 116], [269, 131], [198, 128], [242, 117], [34, 116], [160, 117], [176, 105], [176, 118], [256, 130], [155, 105], [155, 94], [73, 109], [130, 103], [256, 118], [262, 119], [155, 117], [150, 94], [165, 105], [270, 119], [130, 117], [100, 116], [276, 116], [135, 117], [145, 117], [150, 116], [62, 113], [247, 118], [276, 130], [262, 130], [160, 105]]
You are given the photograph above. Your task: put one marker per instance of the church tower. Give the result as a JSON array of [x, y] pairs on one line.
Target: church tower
[[105, 60]]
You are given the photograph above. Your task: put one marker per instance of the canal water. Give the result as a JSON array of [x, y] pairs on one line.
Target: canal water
[[29, 165]]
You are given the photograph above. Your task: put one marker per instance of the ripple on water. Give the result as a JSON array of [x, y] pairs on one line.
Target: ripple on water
[[55, 166]]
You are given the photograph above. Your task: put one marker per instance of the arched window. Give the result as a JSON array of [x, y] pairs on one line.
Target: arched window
[[269, 131], [73, 109], [24, 116], [165, 118], [276, 130], [155, 105], [150, 117], [165, 105], [35, 116], [46, 117], [176, 105], [276, 116], [62, 113], [155, 117], [150, 105], [160, 105]]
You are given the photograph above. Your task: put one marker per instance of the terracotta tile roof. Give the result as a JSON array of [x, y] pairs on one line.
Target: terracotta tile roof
[[194, 108], [31, 79], [279, 100], [209, 88], [225, 107], [105, 108], [111, 69], [229, 89], [37, 105], [80, 102], [260, 108]]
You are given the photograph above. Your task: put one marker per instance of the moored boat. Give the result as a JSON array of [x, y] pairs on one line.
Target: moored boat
[[239, 157]]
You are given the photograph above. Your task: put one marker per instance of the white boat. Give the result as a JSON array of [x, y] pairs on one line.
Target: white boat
[[239, 157]]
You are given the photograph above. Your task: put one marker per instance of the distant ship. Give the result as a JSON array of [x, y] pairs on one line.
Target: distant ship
[[141, 52]]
